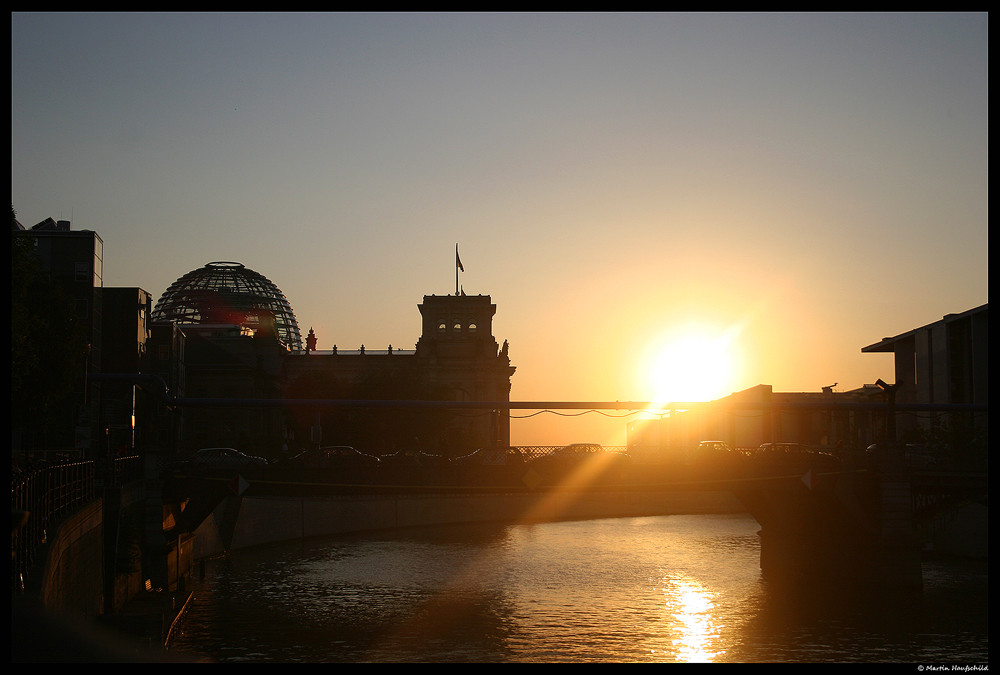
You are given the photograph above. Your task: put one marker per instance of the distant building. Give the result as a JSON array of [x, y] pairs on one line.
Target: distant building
[[166, 359], [94, 418], [945, 362], [71, 264], [222, 332], [237, 337], [758, 415], [230, 293], [457, 358], [227, 362], [74, 260], [126, 331]]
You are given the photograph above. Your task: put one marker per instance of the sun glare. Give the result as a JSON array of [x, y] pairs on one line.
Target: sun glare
[[693, 363]]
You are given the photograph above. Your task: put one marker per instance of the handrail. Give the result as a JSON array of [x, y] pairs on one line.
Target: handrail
[[43, 497]]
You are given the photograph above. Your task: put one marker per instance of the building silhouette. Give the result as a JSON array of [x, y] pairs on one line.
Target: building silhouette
[[758, 415], [58, 335], [126, 332], [221, 333], [456, 358], [229, 293], [226, 333], [69, 329], [944, 363]]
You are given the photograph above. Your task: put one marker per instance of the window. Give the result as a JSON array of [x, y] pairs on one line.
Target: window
[[82, 271]]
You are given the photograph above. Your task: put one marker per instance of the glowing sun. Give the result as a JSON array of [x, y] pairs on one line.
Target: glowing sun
[[691, 363]]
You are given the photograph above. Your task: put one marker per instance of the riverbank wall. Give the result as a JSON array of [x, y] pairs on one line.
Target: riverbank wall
[[243, 522]]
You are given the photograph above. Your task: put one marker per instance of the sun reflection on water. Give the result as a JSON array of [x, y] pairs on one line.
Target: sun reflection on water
[[691, 607]]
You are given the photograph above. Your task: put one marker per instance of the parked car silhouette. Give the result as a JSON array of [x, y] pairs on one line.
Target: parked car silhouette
[[218, 459], [331, 457], [714, 448], [797, 456], [712, 459], [783, 450]]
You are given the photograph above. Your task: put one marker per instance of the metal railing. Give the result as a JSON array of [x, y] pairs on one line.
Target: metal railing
[[42, 498], [529, 452], [511, 454]]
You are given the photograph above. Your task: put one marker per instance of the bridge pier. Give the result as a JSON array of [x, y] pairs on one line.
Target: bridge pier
[[858, 561], [839, 528], [898, 545]]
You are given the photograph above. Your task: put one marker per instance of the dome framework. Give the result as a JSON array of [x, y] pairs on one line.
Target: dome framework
[[229, 292]]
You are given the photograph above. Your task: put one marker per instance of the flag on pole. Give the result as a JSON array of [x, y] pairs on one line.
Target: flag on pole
[[458, 261]]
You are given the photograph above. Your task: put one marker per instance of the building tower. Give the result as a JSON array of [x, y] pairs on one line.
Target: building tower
[[461, 358]]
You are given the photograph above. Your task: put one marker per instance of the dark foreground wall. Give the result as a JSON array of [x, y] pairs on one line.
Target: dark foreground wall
[[84, 567], [72, 575]]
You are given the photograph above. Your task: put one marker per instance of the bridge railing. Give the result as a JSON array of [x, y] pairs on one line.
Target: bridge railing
[[529, 452], [519, 453]]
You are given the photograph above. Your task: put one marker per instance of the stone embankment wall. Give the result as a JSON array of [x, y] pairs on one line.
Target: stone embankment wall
[[73, 571], [244, 522]]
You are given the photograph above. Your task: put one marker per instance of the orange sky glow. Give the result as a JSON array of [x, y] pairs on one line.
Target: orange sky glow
[[660, 205]]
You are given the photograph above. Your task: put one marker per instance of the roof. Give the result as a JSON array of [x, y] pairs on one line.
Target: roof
[[228, 293], [888, 344]]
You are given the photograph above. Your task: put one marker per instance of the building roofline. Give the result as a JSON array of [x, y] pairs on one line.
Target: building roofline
[[888, 344]]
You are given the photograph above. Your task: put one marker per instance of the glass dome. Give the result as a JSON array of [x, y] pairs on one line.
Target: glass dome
[[229, 292]]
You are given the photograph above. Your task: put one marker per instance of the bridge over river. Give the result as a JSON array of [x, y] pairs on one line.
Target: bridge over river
[[819, 514], [856, 517]]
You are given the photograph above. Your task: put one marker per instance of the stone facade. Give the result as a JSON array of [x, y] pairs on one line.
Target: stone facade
[[457, 358]]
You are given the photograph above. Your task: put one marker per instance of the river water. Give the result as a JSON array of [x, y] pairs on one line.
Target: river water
[[676, 588]]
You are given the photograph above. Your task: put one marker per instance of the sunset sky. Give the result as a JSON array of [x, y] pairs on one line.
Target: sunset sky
[[784, 188]]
